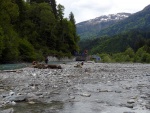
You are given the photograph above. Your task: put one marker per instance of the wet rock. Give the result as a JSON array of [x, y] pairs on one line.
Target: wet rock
[[16, 98], [10, 110]]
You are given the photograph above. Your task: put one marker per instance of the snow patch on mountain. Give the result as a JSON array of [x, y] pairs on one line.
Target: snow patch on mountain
[[106, 18]]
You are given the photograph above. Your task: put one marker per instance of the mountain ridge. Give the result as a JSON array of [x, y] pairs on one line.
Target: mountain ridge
[[138, 20], [133, 32], [93, 26]]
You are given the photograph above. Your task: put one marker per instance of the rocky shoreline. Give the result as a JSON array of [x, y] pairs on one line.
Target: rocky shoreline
[[92, 88]]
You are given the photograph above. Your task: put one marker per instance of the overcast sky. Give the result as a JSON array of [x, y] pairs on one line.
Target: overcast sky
[[88, 9]]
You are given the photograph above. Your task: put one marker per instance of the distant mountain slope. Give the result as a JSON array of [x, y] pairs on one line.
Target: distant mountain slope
[[117, 43], [90, 28], [139, 20], [133, 31]]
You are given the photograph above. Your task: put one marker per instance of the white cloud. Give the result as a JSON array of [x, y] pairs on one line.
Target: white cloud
[[88, 9]]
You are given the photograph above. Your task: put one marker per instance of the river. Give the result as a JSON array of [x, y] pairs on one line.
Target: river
[[94, 88]]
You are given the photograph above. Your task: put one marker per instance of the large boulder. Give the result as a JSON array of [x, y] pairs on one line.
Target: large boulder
[[16, 98]]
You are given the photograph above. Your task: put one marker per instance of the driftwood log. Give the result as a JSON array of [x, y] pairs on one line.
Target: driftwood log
[[45, 66], [79, 65]]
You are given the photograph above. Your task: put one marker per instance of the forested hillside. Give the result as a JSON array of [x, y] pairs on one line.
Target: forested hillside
[[131, 46], [119, 43], [132, 32], [34, 29]]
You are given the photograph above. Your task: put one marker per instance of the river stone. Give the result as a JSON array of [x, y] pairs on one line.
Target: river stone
[[129, 105], [38, 93], [72, 97], [131, 101], [118, 91], [148, 106], [147, 74], [31, 102], [10, 110], [85, 94], [143, 96], [16, 98], [104, 90]]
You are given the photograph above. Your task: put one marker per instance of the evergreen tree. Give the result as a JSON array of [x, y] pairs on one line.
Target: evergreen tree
[[54, 7], [29, 30], [9, 13], [61, 9], [22, 9], [51, 2], [72, 19]]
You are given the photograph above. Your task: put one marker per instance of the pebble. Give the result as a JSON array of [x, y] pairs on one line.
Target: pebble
[[85, 94], [72, 97], [147, 74], [143, 96], [131, 101], [129, 105], [69, 77], [99, 90], [147, 106], [31, 102]]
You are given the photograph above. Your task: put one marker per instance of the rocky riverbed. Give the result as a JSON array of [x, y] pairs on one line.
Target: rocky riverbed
[[94, 88]]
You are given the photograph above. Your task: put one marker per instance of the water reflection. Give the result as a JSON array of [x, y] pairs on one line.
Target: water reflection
[[82, 107]]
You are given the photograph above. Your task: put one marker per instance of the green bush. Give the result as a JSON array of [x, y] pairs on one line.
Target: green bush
[[129, 52], [27, 52], [105, 57], [145, 57]]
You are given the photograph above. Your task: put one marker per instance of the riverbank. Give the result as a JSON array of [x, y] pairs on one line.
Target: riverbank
[[94, 88]]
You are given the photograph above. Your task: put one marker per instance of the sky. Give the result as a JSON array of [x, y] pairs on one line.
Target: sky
[[89, 9]]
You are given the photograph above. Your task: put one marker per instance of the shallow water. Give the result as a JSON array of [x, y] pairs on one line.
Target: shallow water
[[110, 89], [23, 65], [13, 66], [24, 107]]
